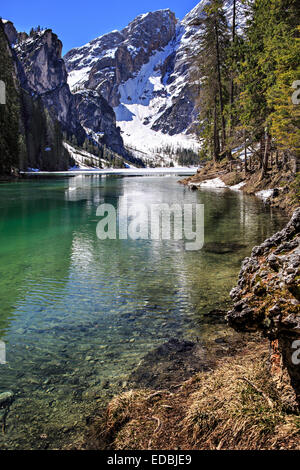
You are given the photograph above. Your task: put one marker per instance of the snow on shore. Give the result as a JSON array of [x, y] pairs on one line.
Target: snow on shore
[[214, 183], [265, 194], [237, 187], [217, 183]]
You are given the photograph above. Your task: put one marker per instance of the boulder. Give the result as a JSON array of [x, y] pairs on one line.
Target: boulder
[[267, 298]]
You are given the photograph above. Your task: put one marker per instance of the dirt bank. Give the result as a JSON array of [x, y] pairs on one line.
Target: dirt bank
[[280, 189]]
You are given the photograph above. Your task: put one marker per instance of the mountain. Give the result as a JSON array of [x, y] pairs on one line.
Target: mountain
[[29, 135], [46, 76], [41, 78], [148, 73], [140, 71]]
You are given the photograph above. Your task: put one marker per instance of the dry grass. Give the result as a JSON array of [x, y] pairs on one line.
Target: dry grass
[[236, 406], [232, 178]]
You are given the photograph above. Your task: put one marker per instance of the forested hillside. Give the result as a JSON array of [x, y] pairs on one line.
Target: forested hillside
[[10, 112], [250, 96], [29, 136]]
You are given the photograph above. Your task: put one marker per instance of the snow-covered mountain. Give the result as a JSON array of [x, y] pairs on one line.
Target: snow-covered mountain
[[148, 73], [145, 73]]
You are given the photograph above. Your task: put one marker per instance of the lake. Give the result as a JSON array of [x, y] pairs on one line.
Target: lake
[[78, 314]]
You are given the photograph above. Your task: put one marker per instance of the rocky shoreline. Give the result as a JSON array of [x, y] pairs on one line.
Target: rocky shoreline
[[278, 189], [267, 298]]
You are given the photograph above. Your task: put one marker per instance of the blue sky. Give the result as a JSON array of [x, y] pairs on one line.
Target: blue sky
[[77, 22]]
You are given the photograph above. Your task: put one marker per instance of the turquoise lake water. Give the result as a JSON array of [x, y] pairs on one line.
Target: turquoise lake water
[[77, 314]]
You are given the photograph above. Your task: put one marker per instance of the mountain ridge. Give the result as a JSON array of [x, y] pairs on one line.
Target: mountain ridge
[[140, 58], [148, 73]]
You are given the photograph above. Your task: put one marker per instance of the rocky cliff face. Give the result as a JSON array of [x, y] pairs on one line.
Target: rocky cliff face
[[267, 298], [40, 56], [114, 58], [29, 136], [43, 75], [139, 70], [10, 31], [99, 119]]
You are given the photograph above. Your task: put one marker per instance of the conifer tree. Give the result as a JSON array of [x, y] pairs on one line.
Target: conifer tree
[[267, 74], [9, 112], [214, 87]]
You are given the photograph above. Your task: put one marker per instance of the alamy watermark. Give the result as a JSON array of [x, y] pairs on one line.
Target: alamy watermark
[[296, 94], [2, 352], [296, 354], [152, 222], [2, 92]]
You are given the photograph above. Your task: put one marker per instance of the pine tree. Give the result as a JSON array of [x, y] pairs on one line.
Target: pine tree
[[9, 112], [214, 86], [271, 65], [283, 47]]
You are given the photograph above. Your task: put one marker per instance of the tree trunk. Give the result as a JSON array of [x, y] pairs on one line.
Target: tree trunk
[[246, 162], [216, 134], [276, 159], [295, 163], [220, 86], [231, 82], [232, 78], [266, 155], [261, 152]]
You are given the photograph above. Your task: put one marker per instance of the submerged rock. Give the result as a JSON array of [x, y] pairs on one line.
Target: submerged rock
[[170, 364], [222, 248]]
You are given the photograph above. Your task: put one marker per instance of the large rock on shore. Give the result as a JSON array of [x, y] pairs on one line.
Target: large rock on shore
[[267, 298]]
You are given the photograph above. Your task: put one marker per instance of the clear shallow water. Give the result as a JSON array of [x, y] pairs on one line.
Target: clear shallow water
[[77, 314]]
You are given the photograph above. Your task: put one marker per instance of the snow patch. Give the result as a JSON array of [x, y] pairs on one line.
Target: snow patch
[[214, 183], [143, 100], [265, 194], [237, 187], [217, 183], [78, 76], [81, 157]]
